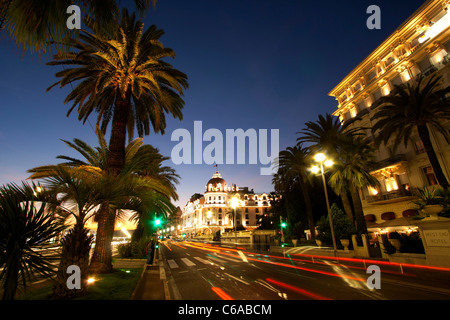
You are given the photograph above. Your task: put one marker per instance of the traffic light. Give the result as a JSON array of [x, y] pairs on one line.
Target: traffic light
[[283, 224], [157, 222]]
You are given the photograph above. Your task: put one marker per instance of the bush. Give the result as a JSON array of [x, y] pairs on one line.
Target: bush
[[134, 249], [411, 243], [124, 250], [343, 227]]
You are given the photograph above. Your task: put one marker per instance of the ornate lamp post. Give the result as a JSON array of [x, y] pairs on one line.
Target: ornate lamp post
[[321, 160]]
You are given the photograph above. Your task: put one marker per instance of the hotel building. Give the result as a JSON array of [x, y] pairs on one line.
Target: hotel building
[[214, 210], [421, 45]]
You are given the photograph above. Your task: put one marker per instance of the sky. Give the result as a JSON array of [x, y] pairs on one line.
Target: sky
[[251, 64]]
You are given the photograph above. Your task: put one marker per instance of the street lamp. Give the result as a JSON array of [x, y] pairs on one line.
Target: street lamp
[[234, 205], [321, 160]]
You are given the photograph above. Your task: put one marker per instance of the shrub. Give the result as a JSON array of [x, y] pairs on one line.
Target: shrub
[[124, 250], [343, 227]]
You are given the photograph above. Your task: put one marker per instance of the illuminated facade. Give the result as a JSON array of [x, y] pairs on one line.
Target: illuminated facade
[[421, 45], [214, 210]]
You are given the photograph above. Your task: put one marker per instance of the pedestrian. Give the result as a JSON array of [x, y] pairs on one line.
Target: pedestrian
[[150, 251]]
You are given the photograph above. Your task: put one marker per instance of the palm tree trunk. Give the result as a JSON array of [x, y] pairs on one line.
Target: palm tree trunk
[[359, 213], [309, 211], [424, 135], [101, 261], [102, 257], [347, 206], [11, 280], [75, 251], [116, 157]]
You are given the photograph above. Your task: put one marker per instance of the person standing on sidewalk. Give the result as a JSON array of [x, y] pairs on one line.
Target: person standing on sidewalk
[[150, 252]]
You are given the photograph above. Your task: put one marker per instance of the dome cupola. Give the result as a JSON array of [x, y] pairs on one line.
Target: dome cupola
[[216, 183]]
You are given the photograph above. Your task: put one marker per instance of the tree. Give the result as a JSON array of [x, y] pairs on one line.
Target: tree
[[343, 227], [25, 228], [36, 25], [325, 135], [420, 105], [125, 80], [151, 183], [293, 167], [351, 171]]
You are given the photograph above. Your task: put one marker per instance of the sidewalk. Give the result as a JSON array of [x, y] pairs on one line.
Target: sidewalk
[[152, 284]]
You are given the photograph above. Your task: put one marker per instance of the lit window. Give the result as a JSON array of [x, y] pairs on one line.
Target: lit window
[[373, 191], [385, 89], [405, 76], [391, 184], [429, 174]]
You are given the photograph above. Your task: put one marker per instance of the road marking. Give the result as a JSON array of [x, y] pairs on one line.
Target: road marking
[[236, 278], [172, 264], [187, 262], [229, 259], [204, 261], [243, 257]]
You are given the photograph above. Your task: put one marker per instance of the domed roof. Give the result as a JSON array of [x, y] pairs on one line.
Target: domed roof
[[216, 183]]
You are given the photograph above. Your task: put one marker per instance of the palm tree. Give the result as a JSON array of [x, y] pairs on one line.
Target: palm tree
[[77, 199], [25, 227], [35, 25], [80, 192], [351, 171], [153, 187], [325, 135], [417, 105], [293, 167], [125, 80]]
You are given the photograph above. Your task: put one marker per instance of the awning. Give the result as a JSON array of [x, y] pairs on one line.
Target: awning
[[398, 222]]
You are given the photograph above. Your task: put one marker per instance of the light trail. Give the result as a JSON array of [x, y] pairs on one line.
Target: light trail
[[164, 243], [217, 250], [221, 293], [298, 290]]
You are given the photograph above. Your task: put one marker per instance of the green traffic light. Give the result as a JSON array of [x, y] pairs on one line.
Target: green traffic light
[[283, 225], [157, 222]]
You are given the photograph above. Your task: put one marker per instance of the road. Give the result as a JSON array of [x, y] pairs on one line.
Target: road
[[199, 271]]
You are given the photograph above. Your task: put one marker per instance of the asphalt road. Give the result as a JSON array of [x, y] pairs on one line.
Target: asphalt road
[[198, 271]]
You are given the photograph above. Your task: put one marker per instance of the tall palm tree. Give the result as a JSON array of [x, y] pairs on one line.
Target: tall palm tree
[[153, 183], [293, 167], [126, 81], [80, 192], [325, 135], [36, 24], [420, 105], [352, 171], [25, 228]]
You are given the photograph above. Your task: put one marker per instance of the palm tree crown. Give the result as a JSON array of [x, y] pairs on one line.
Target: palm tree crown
[[35, 25], [128, 65], [417, 105]]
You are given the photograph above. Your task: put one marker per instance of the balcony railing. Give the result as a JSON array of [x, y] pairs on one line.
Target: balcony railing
[[392, 195]]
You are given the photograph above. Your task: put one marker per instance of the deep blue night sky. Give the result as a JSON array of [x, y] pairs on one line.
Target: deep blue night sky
[[261, 64]]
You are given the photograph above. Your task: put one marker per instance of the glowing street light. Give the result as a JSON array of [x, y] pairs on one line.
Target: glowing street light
[[322, 160], [234, 205]]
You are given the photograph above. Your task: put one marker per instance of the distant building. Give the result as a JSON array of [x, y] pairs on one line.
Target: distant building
[[419, 46], [213, 211]]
